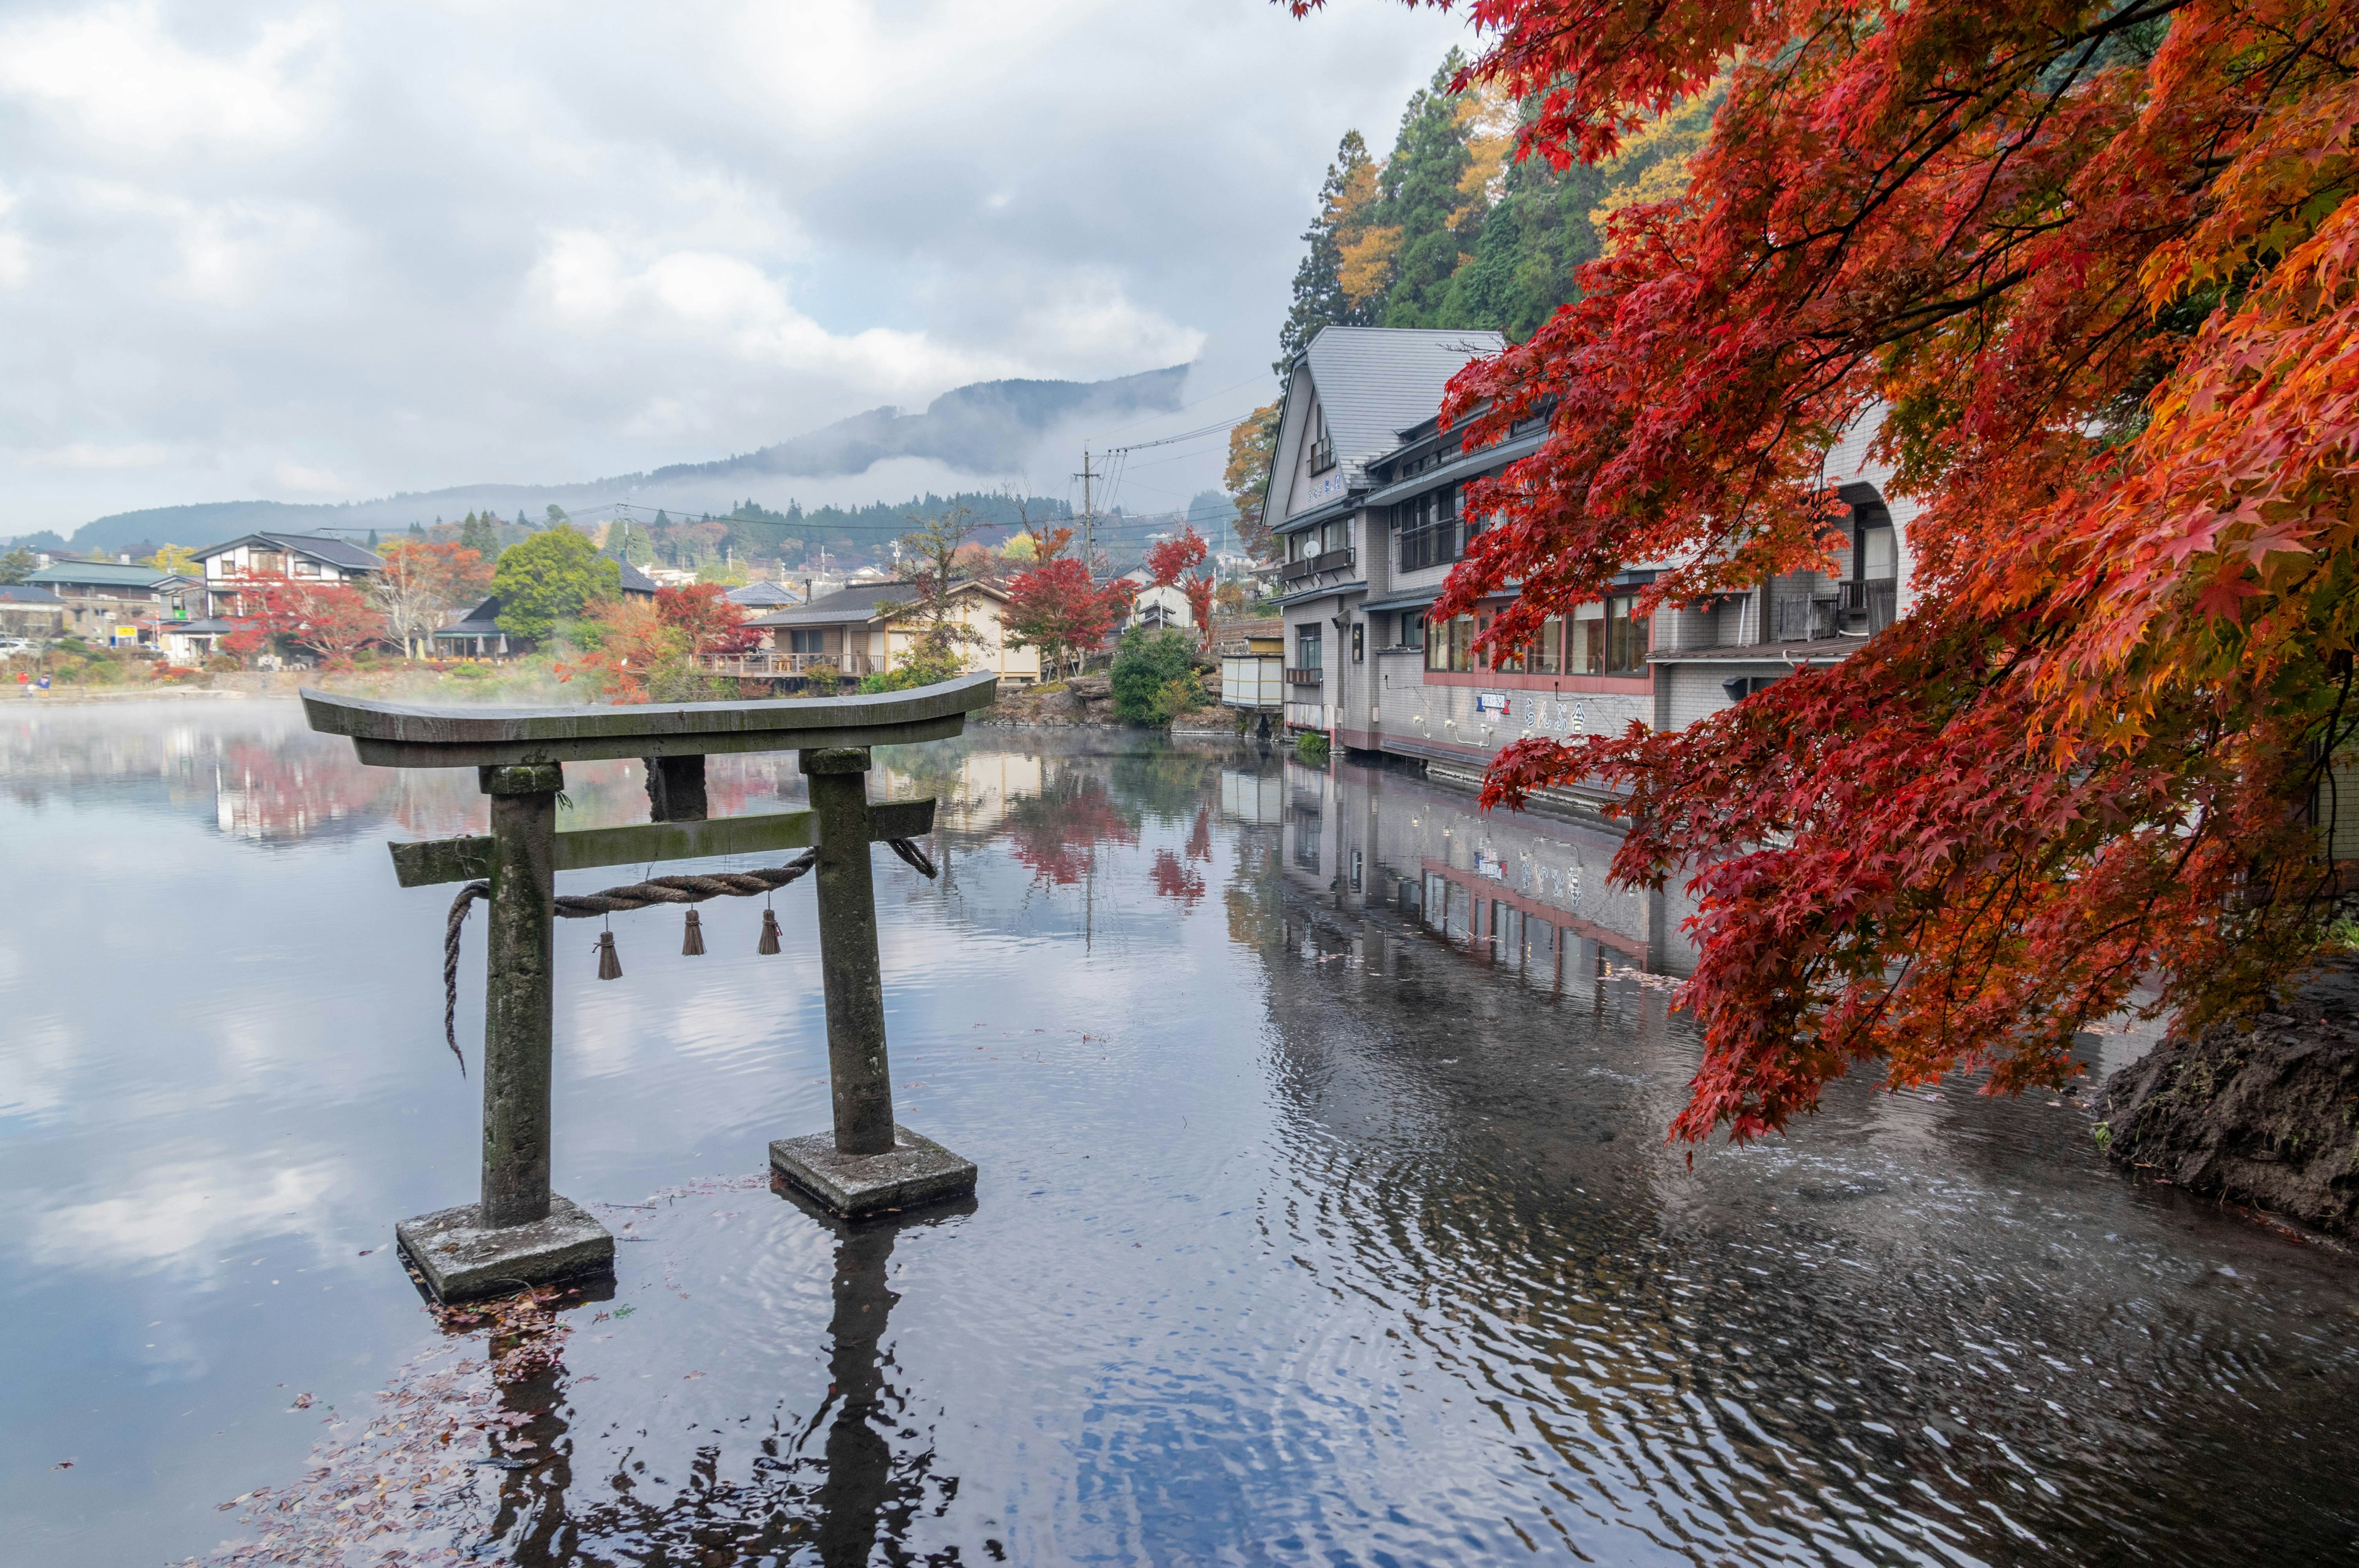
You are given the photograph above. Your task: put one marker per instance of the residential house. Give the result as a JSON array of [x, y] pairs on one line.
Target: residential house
[[869, 630], [299, 558], [763, 597], [116, 602], [1154, 606], [1369, 497], [29, 611]]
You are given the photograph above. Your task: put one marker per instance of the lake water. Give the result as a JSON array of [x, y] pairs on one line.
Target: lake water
[[1324, 1211]]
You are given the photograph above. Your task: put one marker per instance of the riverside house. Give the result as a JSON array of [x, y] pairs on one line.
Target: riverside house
[[1369, 497], [118, 603], [867, 628]]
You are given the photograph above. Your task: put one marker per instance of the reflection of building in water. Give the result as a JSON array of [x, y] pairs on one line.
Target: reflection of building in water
[[1527, 891], [975, 795]]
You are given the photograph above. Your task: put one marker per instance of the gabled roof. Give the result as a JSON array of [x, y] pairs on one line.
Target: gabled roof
[[101, 574], [865, 604], [341, 552], [763, 593], [26, 593], [480, 621], [637, 581], [1376, 381]]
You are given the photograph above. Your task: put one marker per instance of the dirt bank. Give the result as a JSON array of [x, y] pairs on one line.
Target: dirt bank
[[2264, 1112]]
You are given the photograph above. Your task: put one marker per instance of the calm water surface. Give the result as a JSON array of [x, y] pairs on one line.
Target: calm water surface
[[1324, 1212]]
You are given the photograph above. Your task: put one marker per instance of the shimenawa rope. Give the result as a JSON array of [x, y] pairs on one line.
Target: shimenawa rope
[[637, 896]]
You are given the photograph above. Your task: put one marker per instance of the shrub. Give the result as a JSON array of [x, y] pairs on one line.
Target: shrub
[[1310, 746], [1144, 666]]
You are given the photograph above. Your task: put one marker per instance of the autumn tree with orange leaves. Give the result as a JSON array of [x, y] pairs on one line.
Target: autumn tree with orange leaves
[[2091, 272]]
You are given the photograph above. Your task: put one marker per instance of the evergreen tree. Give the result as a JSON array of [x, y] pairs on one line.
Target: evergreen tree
[[1318, 297], [417, 530], [1422, 200], [482, 536], [371, 544]]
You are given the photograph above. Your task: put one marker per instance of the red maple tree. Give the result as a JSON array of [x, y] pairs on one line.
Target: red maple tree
[[1178, 562], [707, 617], [2091, 273], [1054, 605], [328, 620]]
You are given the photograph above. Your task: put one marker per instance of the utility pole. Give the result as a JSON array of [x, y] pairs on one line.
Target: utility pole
[[1088, 520]]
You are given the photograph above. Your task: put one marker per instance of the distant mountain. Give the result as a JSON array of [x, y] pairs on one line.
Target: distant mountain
[[988, 428]]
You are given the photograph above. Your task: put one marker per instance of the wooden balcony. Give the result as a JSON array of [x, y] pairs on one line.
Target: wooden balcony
[[767, 665]]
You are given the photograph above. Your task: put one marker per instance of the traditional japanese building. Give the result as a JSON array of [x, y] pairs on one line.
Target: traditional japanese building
[[1369, 497]]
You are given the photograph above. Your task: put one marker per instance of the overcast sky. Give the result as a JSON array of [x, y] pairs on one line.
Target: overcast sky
[[310, 253]]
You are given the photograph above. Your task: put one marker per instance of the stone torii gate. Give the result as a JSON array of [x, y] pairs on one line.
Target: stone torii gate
[[520, 1233]]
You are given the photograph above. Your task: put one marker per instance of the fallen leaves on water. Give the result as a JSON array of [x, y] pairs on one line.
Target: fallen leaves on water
[[405, 1488]]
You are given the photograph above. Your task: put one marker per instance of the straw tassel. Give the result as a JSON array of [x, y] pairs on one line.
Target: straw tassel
[[692, 941], [610, 967], [770, 942]]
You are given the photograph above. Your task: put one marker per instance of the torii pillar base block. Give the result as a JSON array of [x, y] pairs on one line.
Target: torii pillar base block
[[915, 1171], [463, 1261]]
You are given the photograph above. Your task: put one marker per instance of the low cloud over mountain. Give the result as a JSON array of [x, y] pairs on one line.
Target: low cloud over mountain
[[987, 431]]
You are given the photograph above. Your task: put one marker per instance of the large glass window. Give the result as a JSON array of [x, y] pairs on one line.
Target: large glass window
[[1428, 531], [1309, 648], [1449, 646], [1614, 644], [1412, 632]]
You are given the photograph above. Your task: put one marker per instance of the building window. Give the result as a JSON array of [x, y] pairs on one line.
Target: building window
[[1323, 445], [1309, 648], [1614, 644], [807, 642], [1451, 646], [1412, 630], [1428, 531], [1359, 642]]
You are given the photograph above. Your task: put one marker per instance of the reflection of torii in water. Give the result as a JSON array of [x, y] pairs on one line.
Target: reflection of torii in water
[[855, 1494]]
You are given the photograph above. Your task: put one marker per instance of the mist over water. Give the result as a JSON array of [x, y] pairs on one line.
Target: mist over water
[[1324, 1209]]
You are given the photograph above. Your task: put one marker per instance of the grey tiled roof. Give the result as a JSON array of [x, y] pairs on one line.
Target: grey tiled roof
[[867, 602], [1376, 381], [764, 593], [635, 580], [26, 593], [98, 574], [480, 621], [341, 552]]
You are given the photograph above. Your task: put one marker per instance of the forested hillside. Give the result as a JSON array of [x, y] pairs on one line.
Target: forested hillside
[[1452, 230]]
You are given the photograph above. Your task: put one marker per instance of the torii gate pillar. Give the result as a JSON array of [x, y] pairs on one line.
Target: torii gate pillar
[[869, 1163]]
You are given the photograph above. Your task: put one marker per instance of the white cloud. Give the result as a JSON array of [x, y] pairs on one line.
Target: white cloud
[[117, 76], [472, 241], [185, 1212], [723, 302]]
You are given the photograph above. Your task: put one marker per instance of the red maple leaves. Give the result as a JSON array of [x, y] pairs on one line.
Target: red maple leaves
[[2091, 272]]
